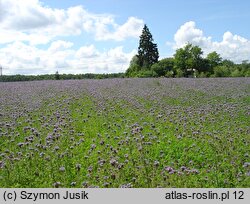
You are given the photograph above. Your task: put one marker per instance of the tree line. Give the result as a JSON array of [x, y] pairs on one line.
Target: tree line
[[186, 62], [57, 76]]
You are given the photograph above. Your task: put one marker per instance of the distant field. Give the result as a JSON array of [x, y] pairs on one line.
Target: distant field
[[125, 133]]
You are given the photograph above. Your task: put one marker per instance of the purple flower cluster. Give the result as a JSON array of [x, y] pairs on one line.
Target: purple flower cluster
[[125, 132]]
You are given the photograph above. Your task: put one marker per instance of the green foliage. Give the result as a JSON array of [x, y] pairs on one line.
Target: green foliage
[[228, 63], [147, 51], [148, 55], [189, 57], [196, 61], [187, 61], [202, 75], [244, 68], [146, 74], [57, 76], [163, 66], [236, 73], [7, 78], [179, 73], [132, 71], [247, 73], [221, 71], [134, 61], [182, 58], [134, 67], [213, 60], [169, 74], [135, 71]]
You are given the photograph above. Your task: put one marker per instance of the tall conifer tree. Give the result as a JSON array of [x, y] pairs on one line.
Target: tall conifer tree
[[147, 51]]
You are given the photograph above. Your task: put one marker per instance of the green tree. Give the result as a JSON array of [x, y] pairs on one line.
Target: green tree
[[236, 73], [134, 67], [163, 67], [244, 68], [57, 76], [228, 63], [188, 59], [213, 59], [147, 51], [196, 58], [221, 71], [181, 60]]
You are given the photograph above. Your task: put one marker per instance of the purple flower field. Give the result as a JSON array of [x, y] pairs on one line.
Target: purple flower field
[[125, 133]]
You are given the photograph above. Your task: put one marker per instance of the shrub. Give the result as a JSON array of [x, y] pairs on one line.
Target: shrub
[[221, 71], [163, 66], [146, 74]]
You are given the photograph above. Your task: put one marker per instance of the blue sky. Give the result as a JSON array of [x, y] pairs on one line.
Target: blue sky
[[101, 36], [164, 17]]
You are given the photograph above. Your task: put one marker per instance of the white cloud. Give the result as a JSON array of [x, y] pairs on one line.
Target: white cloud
[[21, 58], [233, 47], [91, 60], [86, 52], [189, 33], [59, 45], [26, 14], [24, 24], [132, 28], [29, 20]]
